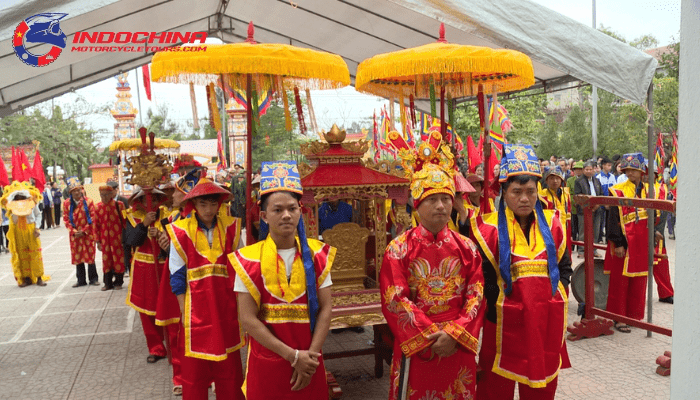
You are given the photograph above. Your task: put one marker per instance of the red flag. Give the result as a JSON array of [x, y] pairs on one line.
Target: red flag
[[147, 81], [473, 154], [38, 171], [17, 171], [4, 180], [26, 169]]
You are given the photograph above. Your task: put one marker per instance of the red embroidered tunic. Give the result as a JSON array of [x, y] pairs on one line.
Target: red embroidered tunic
[[82, 249], [167, 307], [429, 284], [530, 323], [634, 229], [551, 201], [210, 316], [284, 311], [109, 222]]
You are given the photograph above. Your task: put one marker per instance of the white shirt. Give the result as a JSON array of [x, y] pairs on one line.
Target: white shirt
[[287, 256]]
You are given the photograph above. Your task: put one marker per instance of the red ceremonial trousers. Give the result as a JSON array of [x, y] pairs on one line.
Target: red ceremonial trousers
[[531, 323], [285, 312], [109, 222], [430, 284], [211, 314], [82, 249]]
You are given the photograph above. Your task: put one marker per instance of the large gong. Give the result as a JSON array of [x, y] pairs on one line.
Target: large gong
[[601, 282]]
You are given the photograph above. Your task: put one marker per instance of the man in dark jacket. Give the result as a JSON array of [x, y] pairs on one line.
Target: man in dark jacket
[[588, 184]]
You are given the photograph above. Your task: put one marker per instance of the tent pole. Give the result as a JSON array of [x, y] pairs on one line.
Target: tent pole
[[249, 160], [651, 213]]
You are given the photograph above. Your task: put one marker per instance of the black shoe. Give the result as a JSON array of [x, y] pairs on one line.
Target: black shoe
[[668, 300], [105, 288], [79, 284], [40, 282], [96, 283]]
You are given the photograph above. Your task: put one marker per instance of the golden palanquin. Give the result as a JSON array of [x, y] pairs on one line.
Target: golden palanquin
[[336, 171]]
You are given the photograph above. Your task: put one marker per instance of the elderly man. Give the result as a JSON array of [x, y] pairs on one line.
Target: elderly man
[[79, 218], [589, 185], [526, 275]]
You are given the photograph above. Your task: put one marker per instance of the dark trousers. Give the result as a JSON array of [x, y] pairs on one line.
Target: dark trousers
[[603, 217], [574, 229], [57, 214], [47, 218], [112, 279], [6, 228], [92, 273]]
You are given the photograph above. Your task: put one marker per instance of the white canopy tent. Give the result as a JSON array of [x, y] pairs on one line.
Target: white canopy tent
[[562, 50]]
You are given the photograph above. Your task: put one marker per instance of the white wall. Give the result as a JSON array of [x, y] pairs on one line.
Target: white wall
[[686, 313]]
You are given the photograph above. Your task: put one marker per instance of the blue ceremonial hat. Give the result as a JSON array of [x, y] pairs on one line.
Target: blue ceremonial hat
[[633, 161], [519, 159], [278, 176], [73, 183], [186, 183]]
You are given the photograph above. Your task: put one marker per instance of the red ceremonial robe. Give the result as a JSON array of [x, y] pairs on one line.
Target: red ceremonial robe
[[210, 316], [143, 288], [109, 223], [628, 276], [551, 201], [528, 346], [167, 307], [662, 275], [430, 284], [82, 249], [284, 311]]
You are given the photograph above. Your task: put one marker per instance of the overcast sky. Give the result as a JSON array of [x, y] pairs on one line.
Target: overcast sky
[[629, 18]]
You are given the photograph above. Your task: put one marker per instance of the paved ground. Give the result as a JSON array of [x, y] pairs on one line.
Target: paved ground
[[57, 342]]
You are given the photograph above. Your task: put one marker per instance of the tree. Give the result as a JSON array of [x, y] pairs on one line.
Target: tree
[[645, 42], [608, 31], [669, 61], [63, 141]]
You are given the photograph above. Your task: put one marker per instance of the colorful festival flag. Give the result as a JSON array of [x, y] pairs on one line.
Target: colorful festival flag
[[147, 81], [499, 124], [4, 179], [673, 169], [37, 171], [659, 155], [430, 124], [220, 149]]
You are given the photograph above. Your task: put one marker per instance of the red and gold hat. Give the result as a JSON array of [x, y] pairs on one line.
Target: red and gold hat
[[185, 161], [430, 167], [206, 187], [109, 186]]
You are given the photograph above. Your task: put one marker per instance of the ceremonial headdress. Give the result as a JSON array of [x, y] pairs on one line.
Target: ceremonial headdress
[[187, 182], [474, 178], [519, 159], [109, 186], [185, 161], [73, 183], [633, 161], [431, 167], [556, 171], [206, 187], [283, 176], [522, 160], [280, 176]]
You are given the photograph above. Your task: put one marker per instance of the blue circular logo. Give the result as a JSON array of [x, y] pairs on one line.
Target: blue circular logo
[[41, 28]]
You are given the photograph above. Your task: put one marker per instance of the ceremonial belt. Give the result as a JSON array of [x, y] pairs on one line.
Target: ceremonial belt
[[207, 271], [143, 257]]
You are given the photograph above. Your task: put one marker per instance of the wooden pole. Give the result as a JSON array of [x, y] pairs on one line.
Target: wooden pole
[[249, 161]]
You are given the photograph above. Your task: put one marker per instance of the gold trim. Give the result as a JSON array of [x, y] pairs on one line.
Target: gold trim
[[358, 319], [206, 271], [284, 313], [144, 258]]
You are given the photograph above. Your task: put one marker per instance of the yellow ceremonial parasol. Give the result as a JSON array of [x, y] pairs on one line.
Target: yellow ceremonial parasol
[[456, 70], [255, 68], [135, 144]]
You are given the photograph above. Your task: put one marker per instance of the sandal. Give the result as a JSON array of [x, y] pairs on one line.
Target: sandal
[[152, 358], [624, 328], [177, 390]]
